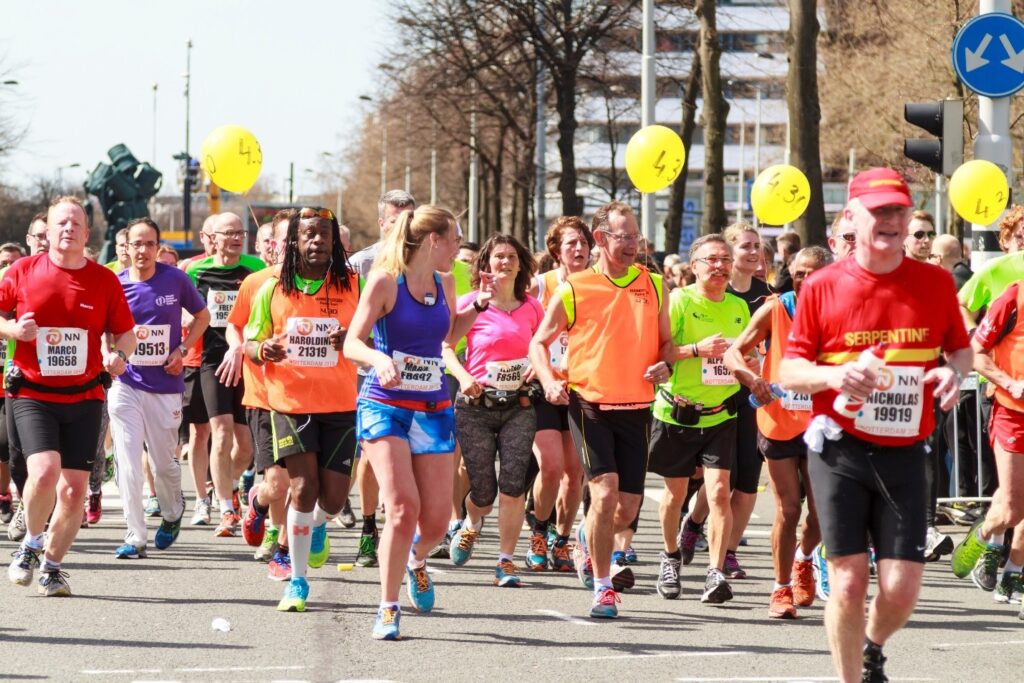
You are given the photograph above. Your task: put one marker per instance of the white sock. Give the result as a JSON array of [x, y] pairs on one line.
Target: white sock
[[34, 542], [1011, 566], [300, 530], [477, 525], [384, 604], [226, 505], [504, 556], [414, 564], [799, 556], [780, 585], [319, 516], [605, 582]]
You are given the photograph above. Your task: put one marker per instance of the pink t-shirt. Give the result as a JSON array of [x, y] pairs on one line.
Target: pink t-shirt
[[497, 345]]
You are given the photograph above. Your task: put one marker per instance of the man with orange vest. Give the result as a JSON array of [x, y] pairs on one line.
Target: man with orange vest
[[780, 435], [619, 347], [999, 356]]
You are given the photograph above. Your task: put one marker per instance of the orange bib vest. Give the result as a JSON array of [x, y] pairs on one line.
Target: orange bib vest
[[774, 421], [559, 345], [315, 378], [1009, 356], [614, 337]]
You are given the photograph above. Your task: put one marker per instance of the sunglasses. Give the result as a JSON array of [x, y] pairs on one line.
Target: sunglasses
[[326, 214], [920, 234], [848, 237]]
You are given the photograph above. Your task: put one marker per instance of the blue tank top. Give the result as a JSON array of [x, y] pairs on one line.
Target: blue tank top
[[411, 334]]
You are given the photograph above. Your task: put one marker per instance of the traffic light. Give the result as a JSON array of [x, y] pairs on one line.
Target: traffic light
[[945, 120]]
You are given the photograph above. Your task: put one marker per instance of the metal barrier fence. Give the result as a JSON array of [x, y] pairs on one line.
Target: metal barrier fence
[[970, 383]]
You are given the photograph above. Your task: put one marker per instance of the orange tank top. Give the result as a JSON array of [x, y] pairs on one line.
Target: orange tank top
[[315, 378], [1009, 356], [559, 347], [782, 419], [614, 337]]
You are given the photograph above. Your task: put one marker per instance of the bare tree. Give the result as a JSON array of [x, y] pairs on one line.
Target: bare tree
[[677, 198], [716, 112], [805, 113]]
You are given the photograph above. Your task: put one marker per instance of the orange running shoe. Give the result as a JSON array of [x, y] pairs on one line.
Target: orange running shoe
[[803, 583], [781, 606]]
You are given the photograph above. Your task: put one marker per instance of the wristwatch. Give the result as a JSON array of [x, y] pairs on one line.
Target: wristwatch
[[122, 354], [479, 308], [182, 349]]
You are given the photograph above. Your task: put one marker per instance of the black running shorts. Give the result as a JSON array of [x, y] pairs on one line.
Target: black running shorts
[[332, 436], [774, 449], [221, 399], [611, 442], [746, 472], [550, 416], [71, 429], [262, 438], [677, 451]]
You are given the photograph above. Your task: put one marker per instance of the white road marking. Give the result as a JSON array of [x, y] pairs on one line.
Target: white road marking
[[785, 679], [656, 494], [984, 643], [105, 672], [654, 655], [566, 617], [214, 669]]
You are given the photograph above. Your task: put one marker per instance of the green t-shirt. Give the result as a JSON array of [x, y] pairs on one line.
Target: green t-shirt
[[701, 380], [987, 284]]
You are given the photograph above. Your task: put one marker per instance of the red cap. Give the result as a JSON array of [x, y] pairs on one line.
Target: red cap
[[877, 187]]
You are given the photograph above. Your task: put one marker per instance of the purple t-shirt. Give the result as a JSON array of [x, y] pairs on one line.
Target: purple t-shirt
[[156, 305], [497, 345]]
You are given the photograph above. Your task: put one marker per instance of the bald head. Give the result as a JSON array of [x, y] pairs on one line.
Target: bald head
[[946, 251]]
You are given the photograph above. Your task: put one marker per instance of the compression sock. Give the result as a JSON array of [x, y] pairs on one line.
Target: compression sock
[[300, 529]]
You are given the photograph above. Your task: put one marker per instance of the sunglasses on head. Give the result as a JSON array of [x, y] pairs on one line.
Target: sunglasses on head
[[326, 214], [920, 234]]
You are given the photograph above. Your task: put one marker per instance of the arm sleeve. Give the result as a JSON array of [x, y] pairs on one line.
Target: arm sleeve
[[997, 318], [805, 335], [261, 325]]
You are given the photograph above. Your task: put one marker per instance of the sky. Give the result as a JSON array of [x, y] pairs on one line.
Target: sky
[[292, 72]]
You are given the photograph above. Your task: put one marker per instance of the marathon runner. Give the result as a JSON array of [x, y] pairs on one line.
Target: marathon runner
[[620, 346], [61, 368], [121, 258], [405, 419], [780, 429], [494, 414], [868, 472], [145, 402]]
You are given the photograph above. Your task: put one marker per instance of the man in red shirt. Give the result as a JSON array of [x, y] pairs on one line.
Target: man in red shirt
[[62, 364], [868, 472]]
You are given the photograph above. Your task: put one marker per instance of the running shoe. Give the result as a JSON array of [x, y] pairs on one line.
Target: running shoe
[[581, 558], [461, 548], [269, 546], [702, 541], [295, 594], [967, 553], [23, 566], [1009, 588], [254, 523], [537, 558], [716, 588], [631, 555], [440, 551], [687, 540], [110, 468], [420, 589], [985, 570], [733, 570], [561, 556], [167, 534], [53, 583], [130, 552], [246, 483], [781, 605], [346, 517], [622, 576], [320, 547], [873, 668], [506, 576], [872, 561], [236, 501], [803, 583], [201, 512], [618, 556], [152, 507], [367, 555], [386, 626], [605, 602], [228, 526], [819, 563], [937, 544], [6, 508], [16, 529], [94, 508], [280, 567], [668, 577]]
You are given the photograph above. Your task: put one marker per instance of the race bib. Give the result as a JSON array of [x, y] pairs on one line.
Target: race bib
[[62, 350], [220, 302], [714, 373], [153, 345], [792, 401], [418, 374], [558, 352], [308, 345], [506, 375], [894, 408]]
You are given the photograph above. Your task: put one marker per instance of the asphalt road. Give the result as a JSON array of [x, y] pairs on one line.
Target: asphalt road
[[150, 620]]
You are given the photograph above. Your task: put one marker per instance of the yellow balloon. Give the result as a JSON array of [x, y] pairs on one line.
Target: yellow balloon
[[780, 194], [979, 192], [654, 158], [232, 157]]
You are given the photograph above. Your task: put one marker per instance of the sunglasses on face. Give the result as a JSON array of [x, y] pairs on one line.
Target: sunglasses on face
[[326, 214], [920, 234], [848, 237]]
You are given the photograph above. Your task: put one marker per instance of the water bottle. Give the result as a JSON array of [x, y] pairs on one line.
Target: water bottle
[[873, 359], [777, 392]]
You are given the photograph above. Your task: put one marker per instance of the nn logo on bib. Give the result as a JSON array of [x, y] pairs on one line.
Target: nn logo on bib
[[54, 337], [219, 298], [142, 333], [304, 327]]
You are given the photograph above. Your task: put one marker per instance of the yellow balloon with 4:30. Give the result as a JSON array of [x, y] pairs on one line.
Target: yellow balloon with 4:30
[[654, 158], [232, 157], [978, 191], [780, 194]]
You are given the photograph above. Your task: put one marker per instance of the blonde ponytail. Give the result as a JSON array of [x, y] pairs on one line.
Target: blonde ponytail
[[405, 238]]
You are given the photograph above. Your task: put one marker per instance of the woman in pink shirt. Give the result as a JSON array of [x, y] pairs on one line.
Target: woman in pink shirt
[[493, 411]]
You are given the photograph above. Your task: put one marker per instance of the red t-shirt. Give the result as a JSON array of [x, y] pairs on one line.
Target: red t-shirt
[[999, 314], [73, 309], [844, 309]]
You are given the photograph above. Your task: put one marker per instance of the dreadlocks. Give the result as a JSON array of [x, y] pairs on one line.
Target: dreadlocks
[[337, 270]]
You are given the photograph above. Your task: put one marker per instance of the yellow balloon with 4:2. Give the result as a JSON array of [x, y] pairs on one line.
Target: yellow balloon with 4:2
[[979, 192]]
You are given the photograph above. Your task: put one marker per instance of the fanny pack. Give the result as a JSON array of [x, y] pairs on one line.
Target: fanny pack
[[501, 399], [15, 381], [689, 414]]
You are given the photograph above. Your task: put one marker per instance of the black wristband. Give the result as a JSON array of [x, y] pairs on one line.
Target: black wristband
[[479, 308]]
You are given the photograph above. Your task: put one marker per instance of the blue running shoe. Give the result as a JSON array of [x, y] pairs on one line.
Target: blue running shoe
[[581, 559], [167, 534], [537, 558], [295, 594], [631, 555], [386, 626], [130, 552], [505, 575], [819, 566], [604, 606], [461, 548], [420, 589], [320, 547], [618, 557]]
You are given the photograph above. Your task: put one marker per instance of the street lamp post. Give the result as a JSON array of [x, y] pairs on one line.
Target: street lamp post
[[186, 157], [154, 123]]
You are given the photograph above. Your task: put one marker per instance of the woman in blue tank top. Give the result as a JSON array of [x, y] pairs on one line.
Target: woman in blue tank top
[[404, 417]]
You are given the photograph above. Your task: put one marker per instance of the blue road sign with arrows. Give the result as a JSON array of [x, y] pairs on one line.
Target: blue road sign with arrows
[[988, 54]]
